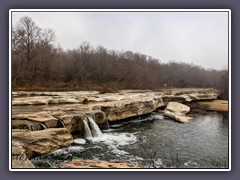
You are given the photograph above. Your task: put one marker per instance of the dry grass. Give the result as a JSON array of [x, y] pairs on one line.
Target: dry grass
[[73, 86]]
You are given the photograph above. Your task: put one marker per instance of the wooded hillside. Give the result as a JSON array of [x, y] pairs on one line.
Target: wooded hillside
[[38, 64]]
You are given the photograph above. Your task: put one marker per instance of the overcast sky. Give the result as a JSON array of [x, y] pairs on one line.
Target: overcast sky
[[197, 37]]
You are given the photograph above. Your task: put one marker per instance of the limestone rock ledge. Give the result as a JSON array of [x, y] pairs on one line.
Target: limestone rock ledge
[[126, 109], [177, 111], [41, 142], [97, 164]]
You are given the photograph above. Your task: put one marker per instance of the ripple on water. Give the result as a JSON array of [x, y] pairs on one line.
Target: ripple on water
[[200, 143]]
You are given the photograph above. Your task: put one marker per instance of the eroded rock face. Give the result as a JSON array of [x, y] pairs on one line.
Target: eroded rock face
[[177, 111], [19, 157], [97, 164], [72, 122], [39, 117], [127, 109], [26, 124], [42, 142]]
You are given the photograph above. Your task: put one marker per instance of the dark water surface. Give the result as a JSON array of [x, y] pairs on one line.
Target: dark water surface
[[200, 143]]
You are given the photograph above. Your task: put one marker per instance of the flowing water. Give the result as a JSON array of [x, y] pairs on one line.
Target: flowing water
[[154, 141]]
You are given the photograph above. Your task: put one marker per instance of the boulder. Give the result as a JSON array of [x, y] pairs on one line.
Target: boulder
[[177, 111], [42, 142], [97, 164]]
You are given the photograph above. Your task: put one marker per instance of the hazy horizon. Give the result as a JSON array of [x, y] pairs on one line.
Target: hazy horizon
[[191, 37]]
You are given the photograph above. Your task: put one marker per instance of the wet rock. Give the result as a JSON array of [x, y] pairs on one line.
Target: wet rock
[[97, 164], [42, 142], [177, 111]]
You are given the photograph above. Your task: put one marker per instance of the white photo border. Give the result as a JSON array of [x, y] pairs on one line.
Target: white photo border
[[118, 10]]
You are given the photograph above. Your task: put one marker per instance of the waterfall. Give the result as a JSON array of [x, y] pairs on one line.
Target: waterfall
[[43, 126], [87, 131], [30, 127], [62, 123], [91, 129], [94, 127]]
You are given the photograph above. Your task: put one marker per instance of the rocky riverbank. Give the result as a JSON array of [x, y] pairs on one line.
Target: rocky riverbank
[[45, 121]]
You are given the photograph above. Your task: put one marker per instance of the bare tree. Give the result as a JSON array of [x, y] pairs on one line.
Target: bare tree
[[25, 37], [36, 61]]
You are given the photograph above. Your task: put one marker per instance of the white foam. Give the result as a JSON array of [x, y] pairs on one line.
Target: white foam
[[190, 163], [75, 148], [119, 152], [116, 139], [58, 151]]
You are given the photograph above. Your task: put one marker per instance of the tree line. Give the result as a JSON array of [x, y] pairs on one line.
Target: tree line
[[37, 63]]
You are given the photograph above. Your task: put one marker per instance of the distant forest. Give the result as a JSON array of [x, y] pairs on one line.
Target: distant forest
[[37, 64]]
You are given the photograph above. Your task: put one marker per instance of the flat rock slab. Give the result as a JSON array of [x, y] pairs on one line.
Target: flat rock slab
[[97, 164], [177, 111], [45, 100]]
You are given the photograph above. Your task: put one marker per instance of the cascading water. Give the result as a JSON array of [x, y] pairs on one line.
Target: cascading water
[[30, 127], [87, 131], [43, 126], [96, 132], [62, 123], [35, 127]]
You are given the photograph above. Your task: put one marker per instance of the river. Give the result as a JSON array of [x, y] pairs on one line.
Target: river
[[155, 141]]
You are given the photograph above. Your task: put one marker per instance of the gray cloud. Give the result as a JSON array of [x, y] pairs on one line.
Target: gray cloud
[[197, 37]]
